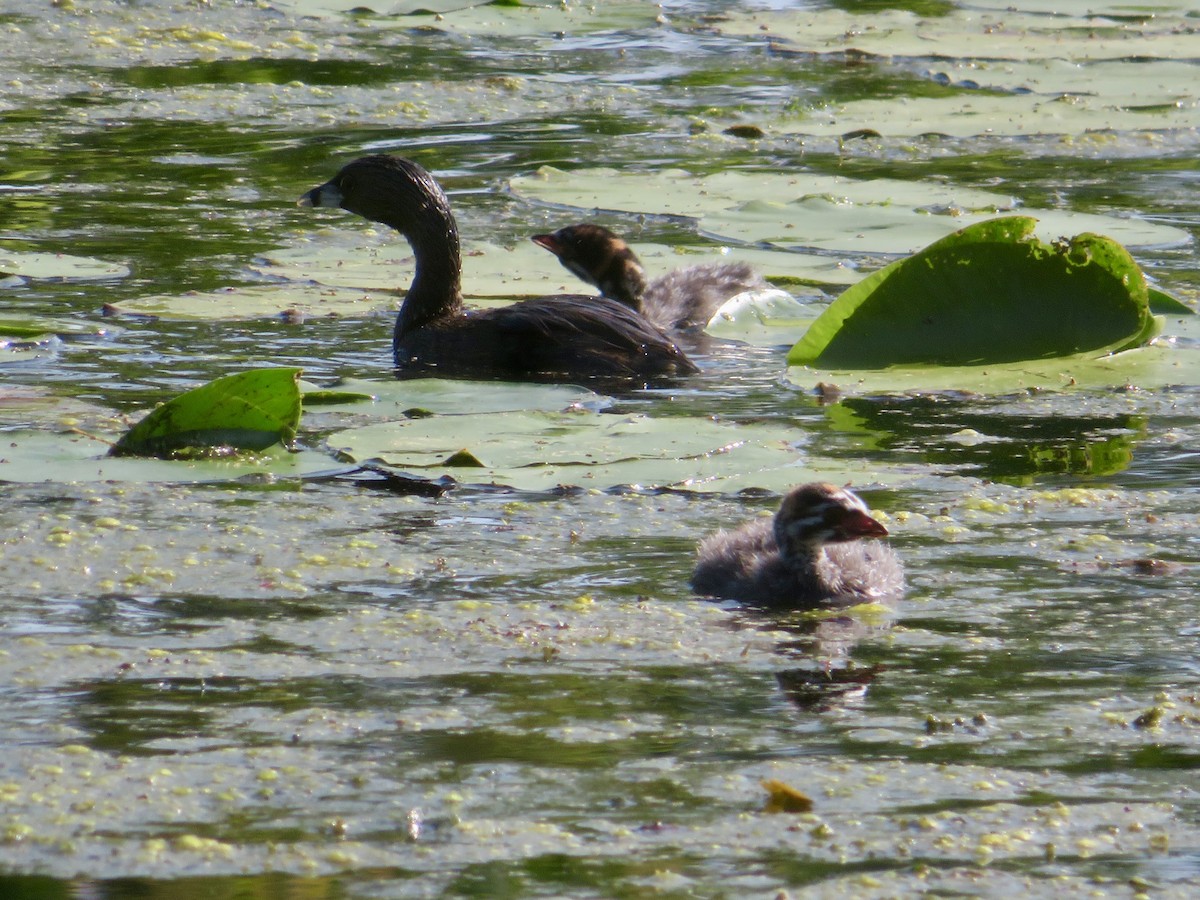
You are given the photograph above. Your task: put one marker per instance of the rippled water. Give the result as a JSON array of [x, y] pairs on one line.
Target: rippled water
[[326, 689]]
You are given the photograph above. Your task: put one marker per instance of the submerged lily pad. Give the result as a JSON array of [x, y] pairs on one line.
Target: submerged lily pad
[[990, 293], [248, 411]]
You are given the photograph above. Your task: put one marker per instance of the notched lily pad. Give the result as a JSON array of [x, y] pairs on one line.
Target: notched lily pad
[[538, 451], [990, 293], [248, 411]]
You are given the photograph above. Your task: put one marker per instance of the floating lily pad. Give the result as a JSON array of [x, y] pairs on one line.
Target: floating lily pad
[[478, 19], [1159, 365], [374, 259], [679, 193], [34, 455], [1070, 30], [35, 326], [395, 398], [1023, 114], [1163, 304], [990, 293], [1060, 70], [26, 404], [798, 210], [29, 338], [538, 451], [886, 225], [58, 267], [248, 411], [261, 301]]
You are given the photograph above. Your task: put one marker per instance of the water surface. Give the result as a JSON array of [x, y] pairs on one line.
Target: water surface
[[327, 689]]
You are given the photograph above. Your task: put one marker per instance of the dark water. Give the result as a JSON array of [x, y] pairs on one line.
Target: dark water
[[323, 689]]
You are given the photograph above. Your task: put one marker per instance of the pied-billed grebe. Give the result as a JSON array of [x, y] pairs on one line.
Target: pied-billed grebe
[[810, 554], [542, 339], [682, 300]]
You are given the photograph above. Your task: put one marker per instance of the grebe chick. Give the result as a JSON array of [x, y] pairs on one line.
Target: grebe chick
[[682, 300], [811, 553], [566, 336]]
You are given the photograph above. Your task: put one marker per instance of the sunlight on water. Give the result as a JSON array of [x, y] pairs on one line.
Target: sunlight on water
[[332, 688]]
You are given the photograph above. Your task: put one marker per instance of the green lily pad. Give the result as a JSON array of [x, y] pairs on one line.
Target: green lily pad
[[15, 330], [332, 397], [990, 293], [395, 398], [1055, 70], [475, 19], [28, 338], [379, 259], [790, 209], [1163, 304], [676, 192], [1156, 366], [261, 301], [538, 451], [248, 411], [36, 326], [34, 455], [1069, 30], [58, 267], [887, 225]]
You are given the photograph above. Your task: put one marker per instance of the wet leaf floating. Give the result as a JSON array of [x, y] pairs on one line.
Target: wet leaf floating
[[1163, 304], [248, 411], [989, 293], [783, 798], [327, 397]]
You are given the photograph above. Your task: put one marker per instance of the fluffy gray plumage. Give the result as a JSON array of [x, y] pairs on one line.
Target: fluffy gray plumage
[[825, 560], [682, 300]]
